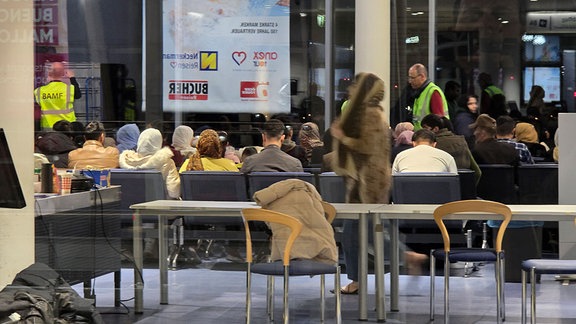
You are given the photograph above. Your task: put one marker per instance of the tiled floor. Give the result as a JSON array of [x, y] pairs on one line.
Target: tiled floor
[[202, 295]]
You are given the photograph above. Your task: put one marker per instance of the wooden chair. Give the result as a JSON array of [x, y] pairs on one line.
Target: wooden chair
[[287, 267], [469, 254]]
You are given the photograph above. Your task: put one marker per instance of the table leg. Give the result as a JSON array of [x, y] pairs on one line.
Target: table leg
[[394, 265], [163, 259], [378, 230], [363, 267], [138, 263]]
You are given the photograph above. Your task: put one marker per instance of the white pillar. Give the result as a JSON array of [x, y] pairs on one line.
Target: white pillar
[[372, 47], [16, 86], [566, 182]]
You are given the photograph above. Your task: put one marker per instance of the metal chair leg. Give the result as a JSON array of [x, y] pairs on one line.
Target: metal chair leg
[[523, 321], [338, 296], [432, 283], [532, 296], [270, 298], [498, 275], [248, 294], [447, 288], [286, 304], [322, 299]]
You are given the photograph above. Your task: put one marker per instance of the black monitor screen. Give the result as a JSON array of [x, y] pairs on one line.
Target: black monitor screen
[[11, 195]]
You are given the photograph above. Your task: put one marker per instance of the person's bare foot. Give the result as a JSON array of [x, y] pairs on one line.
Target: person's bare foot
[[414, 262]]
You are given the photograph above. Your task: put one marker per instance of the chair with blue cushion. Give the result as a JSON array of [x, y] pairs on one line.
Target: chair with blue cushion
[[425, 188], [448, 255], [213, 186], [287, 267], [261, 180], [138, 186], [535, 267], [332, 187]]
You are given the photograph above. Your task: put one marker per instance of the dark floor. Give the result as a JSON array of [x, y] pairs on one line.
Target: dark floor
[[214, 292]]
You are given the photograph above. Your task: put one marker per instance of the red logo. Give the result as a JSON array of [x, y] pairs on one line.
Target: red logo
[[254, 90], [187, 90]]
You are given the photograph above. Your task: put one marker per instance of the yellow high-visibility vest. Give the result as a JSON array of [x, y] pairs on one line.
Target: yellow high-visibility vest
[[56, 100]]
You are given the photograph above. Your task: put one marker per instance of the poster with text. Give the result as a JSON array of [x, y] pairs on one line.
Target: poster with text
[[228, 56]]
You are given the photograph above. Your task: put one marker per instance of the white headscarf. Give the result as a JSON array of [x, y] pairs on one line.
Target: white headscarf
[[149, 142], [182, 138]]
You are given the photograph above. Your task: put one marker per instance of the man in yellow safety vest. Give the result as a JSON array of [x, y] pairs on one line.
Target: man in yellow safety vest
[[56, 99], [429, 98]]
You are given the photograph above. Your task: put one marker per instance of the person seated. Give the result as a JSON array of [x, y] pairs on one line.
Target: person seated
[[127, 137], [208, 155], [57, 144], [182, 144], [505, 127], [402, 142], [271, 158], [228, 151], [291, 148], [93, 154], [452, 144], [150, 155], [526, 133], [299, 199], [309, 138], [424, 156], [487, 150]]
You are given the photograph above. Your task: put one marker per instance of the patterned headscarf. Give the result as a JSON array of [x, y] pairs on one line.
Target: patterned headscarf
[[208, 146], [309, 138]]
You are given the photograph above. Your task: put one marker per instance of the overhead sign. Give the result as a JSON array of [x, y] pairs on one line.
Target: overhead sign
[[551, 22]]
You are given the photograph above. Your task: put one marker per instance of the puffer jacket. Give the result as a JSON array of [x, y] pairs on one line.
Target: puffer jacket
[[93, 155], [299, 199], [160, 160]]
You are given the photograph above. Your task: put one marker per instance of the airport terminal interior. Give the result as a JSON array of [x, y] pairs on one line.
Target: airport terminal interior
[[231, 65]]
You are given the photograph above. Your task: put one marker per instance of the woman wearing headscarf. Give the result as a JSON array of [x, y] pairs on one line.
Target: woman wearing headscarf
[[208, 156], [151, 155], [526, 133], [402, 142], [362, 156], [182, 144], [127, 137], [309, 138]]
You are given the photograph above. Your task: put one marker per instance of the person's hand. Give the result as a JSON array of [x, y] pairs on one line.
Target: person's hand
[[69, 73], [336, 130]]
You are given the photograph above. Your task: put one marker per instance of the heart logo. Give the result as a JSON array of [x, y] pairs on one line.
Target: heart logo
[[173, 64], [239, 57]]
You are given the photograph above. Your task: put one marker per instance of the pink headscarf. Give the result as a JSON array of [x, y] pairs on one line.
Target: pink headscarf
[[402, 127], [405, 138]]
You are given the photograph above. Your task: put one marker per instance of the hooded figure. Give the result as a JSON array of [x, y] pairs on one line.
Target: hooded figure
[[299, 199], [182, 144], [151, 155], [127, 137]]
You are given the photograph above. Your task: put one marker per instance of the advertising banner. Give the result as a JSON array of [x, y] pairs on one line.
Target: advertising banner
[[226, 56]]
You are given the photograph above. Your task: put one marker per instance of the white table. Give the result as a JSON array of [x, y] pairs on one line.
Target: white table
[[361, 212], [425, 212], [222, 209]]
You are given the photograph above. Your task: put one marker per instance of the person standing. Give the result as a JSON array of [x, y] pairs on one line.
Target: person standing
[[489, 90], [361, 141], [56, 99], [429, 98]]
